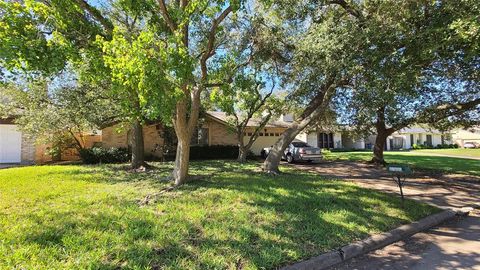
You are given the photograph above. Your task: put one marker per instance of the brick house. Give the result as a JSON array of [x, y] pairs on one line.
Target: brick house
[[214, 130]]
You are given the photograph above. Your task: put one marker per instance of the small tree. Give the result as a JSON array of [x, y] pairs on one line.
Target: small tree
[[58, 115], [246, 100]]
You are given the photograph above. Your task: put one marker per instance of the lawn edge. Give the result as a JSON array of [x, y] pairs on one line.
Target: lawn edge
[[376, 241]]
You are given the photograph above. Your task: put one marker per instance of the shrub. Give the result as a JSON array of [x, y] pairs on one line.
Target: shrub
[[97, 155], [417, 146]]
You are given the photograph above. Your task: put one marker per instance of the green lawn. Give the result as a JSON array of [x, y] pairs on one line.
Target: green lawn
[[88, 217], [416, 160], [453, 152]]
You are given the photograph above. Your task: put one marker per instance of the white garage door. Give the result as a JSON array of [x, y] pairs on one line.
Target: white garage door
[[10, 144], [262, 142]]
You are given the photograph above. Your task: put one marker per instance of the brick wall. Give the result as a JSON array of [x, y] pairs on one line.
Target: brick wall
[[116, 137], [27, 150], [219, 134]]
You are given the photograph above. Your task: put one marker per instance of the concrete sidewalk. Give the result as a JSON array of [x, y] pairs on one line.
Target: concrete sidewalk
[[455, 245]]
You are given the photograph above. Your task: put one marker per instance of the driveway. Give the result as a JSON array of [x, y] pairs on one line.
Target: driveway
[[453, 245], [5, 166]]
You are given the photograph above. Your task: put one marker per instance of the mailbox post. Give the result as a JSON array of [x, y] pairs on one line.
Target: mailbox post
[[399, 174]]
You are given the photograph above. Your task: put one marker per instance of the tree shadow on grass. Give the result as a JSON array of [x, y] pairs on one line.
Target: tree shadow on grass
[[238, 218]]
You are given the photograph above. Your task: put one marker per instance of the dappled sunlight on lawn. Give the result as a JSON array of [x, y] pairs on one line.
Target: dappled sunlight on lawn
[[89, 217]]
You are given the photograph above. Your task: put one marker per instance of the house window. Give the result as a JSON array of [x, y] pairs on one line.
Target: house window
[[200, 137], [412, 142], [325, 140], [260, 134]]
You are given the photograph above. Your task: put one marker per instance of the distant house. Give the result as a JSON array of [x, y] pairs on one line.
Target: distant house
[[407, 137], [462, 136]]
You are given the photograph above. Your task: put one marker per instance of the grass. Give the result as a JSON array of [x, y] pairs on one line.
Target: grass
[[419, 161], [88, 217], [453, 152]]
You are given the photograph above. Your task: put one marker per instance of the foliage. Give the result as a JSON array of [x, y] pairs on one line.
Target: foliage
[[51, 111], [439, 146], [100, 155], [90, 217], [413, 61]]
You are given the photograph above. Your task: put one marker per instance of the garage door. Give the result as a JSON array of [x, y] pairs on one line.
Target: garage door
[[262, 142], [10, 144]]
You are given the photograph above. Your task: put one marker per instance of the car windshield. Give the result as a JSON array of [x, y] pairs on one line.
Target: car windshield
[[300, 144]]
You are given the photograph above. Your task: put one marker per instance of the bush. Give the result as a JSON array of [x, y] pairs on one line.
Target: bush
[[446, 146], [97, 155], [417, 146]]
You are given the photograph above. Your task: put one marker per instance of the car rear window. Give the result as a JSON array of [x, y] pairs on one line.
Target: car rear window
[[300, 144]]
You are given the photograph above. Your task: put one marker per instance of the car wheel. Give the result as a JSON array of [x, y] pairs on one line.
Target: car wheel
[[289, 158]]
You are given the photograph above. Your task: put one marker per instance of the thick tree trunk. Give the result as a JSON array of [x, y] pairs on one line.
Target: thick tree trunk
[[379, 147], [182, 160], [138, 147], [184, 127], [382, 134], [275, 155]]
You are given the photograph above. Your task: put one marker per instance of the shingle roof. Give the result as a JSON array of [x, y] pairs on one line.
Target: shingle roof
[[222, 116]]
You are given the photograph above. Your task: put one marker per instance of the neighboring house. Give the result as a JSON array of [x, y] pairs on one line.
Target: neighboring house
[[461, 136], [16, 147], [407, 137]]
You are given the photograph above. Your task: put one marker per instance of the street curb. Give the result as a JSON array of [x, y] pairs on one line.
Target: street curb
[[377, 241]]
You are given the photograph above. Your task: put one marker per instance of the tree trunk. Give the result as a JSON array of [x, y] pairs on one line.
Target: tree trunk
[[382, 134], [379, 147], [315, 108], [138, 147], [242, 154], [184, 127], [275, 155], [182, 160]]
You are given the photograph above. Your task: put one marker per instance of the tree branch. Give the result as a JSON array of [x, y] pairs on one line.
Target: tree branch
[[166, 16], [211, 40], [95, 13], [347, 7]]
